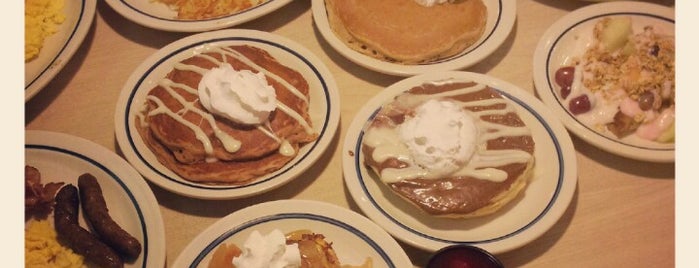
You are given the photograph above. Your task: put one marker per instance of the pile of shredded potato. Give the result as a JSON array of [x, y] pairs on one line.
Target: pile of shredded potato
[[42, 249], [206, 9], [41, 20]]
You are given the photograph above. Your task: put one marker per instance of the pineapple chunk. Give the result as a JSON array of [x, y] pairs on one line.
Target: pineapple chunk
[[615, 33], [668, 135]]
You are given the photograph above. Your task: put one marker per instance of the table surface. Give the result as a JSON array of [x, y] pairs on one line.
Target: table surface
[[622, 213]]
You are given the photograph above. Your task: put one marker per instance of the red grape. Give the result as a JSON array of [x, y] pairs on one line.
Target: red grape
[[564, 79], [646, 100], [580, 104], [565, 91]]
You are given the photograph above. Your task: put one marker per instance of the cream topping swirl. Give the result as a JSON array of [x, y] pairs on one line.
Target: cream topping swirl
[[441, 136], [268, 251], [242, 96]]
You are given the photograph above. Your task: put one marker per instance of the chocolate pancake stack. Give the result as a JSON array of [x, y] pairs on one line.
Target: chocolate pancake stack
[[493, 176]]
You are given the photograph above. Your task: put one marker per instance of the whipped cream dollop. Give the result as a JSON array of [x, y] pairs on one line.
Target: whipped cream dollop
[[429, 3], [242, 96], [268, 251], [441, 136]]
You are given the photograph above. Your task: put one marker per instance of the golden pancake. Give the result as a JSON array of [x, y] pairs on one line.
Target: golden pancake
[[404, 31], [197, 145], [492, 177]]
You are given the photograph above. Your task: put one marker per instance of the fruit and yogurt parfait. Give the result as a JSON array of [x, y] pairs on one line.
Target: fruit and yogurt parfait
[[624, 83]]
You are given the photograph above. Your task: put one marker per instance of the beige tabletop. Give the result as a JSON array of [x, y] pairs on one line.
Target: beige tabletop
[[622, 213]]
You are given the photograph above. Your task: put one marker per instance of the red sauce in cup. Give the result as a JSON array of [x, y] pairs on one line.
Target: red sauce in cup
[[463, 256]]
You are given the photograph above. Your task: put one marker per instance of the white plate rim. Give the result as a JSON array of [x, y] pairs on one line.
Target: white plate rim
[[279, 210], [76, 35], [146, 205], [492, 39], [148, 19], [546, 90], [156, 173], [566, 182]]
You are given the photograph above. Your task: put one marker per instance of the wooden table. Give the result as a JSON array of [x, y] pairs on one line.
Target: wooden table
[[622, 214]]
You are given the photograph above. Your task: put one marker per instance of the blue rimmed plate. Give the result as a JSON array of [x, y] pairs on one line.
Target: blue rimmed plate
[[353, 237], [501, 19], [59, 48], [324, 110], [159, 16], [528, 216], [569, 37], [62, 158]]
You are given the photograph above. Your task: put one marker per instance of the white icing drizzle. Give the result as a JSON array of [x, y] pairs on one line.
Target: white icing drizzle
[[214, 60], [386, 142], [229, 143], [285, 147], [140, 115], [188, 67], [237, 55], [295, 115]]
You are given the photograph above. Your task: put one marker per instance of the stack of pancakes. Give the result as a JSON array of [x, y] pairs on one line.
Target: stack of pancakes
[[406, 32], [494, 175], [195, 144]]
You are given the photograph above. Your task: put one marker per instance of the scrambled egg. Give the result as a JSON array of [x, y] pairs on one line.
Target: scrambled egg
[[41, 248], [41, 20]]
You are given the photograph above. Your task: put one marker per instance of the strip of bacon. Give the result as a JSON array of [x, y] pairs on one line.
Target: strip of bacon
[[38, 198]]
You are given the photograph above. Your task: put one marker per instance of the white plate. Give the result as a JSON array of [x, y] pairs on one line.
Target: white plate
[[324, 110], [540, 205], [353, 237], [159, 16], [568, 37], [62, 158], [501, 19], [59, 47]]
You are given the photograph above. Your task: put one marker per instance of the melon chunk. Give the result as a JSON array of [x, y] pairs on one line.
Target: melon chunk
[[615, 33], [668, 135]]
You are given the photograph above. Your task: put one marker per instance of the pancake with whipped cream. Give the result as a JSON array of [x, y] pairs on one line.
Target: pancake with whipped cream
[[453, 149], [301, 248], [228, 115], [407, 31]]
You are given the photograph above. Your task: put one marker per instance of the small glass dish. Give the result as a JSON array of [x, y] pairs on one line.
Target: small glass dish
[[458, 256]]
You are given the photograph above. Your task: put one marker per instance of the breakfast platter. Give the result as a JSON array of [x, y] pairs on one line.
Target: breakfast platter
[[60, 47], [544, 200], [567, 39], [63, 158], [159, 16], [324, 111], [354, 238], [362, 133]]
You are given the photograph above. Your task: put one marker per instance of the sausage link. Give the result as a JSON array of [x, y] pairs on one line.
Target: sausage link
[[97, 213], [79, 239]]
